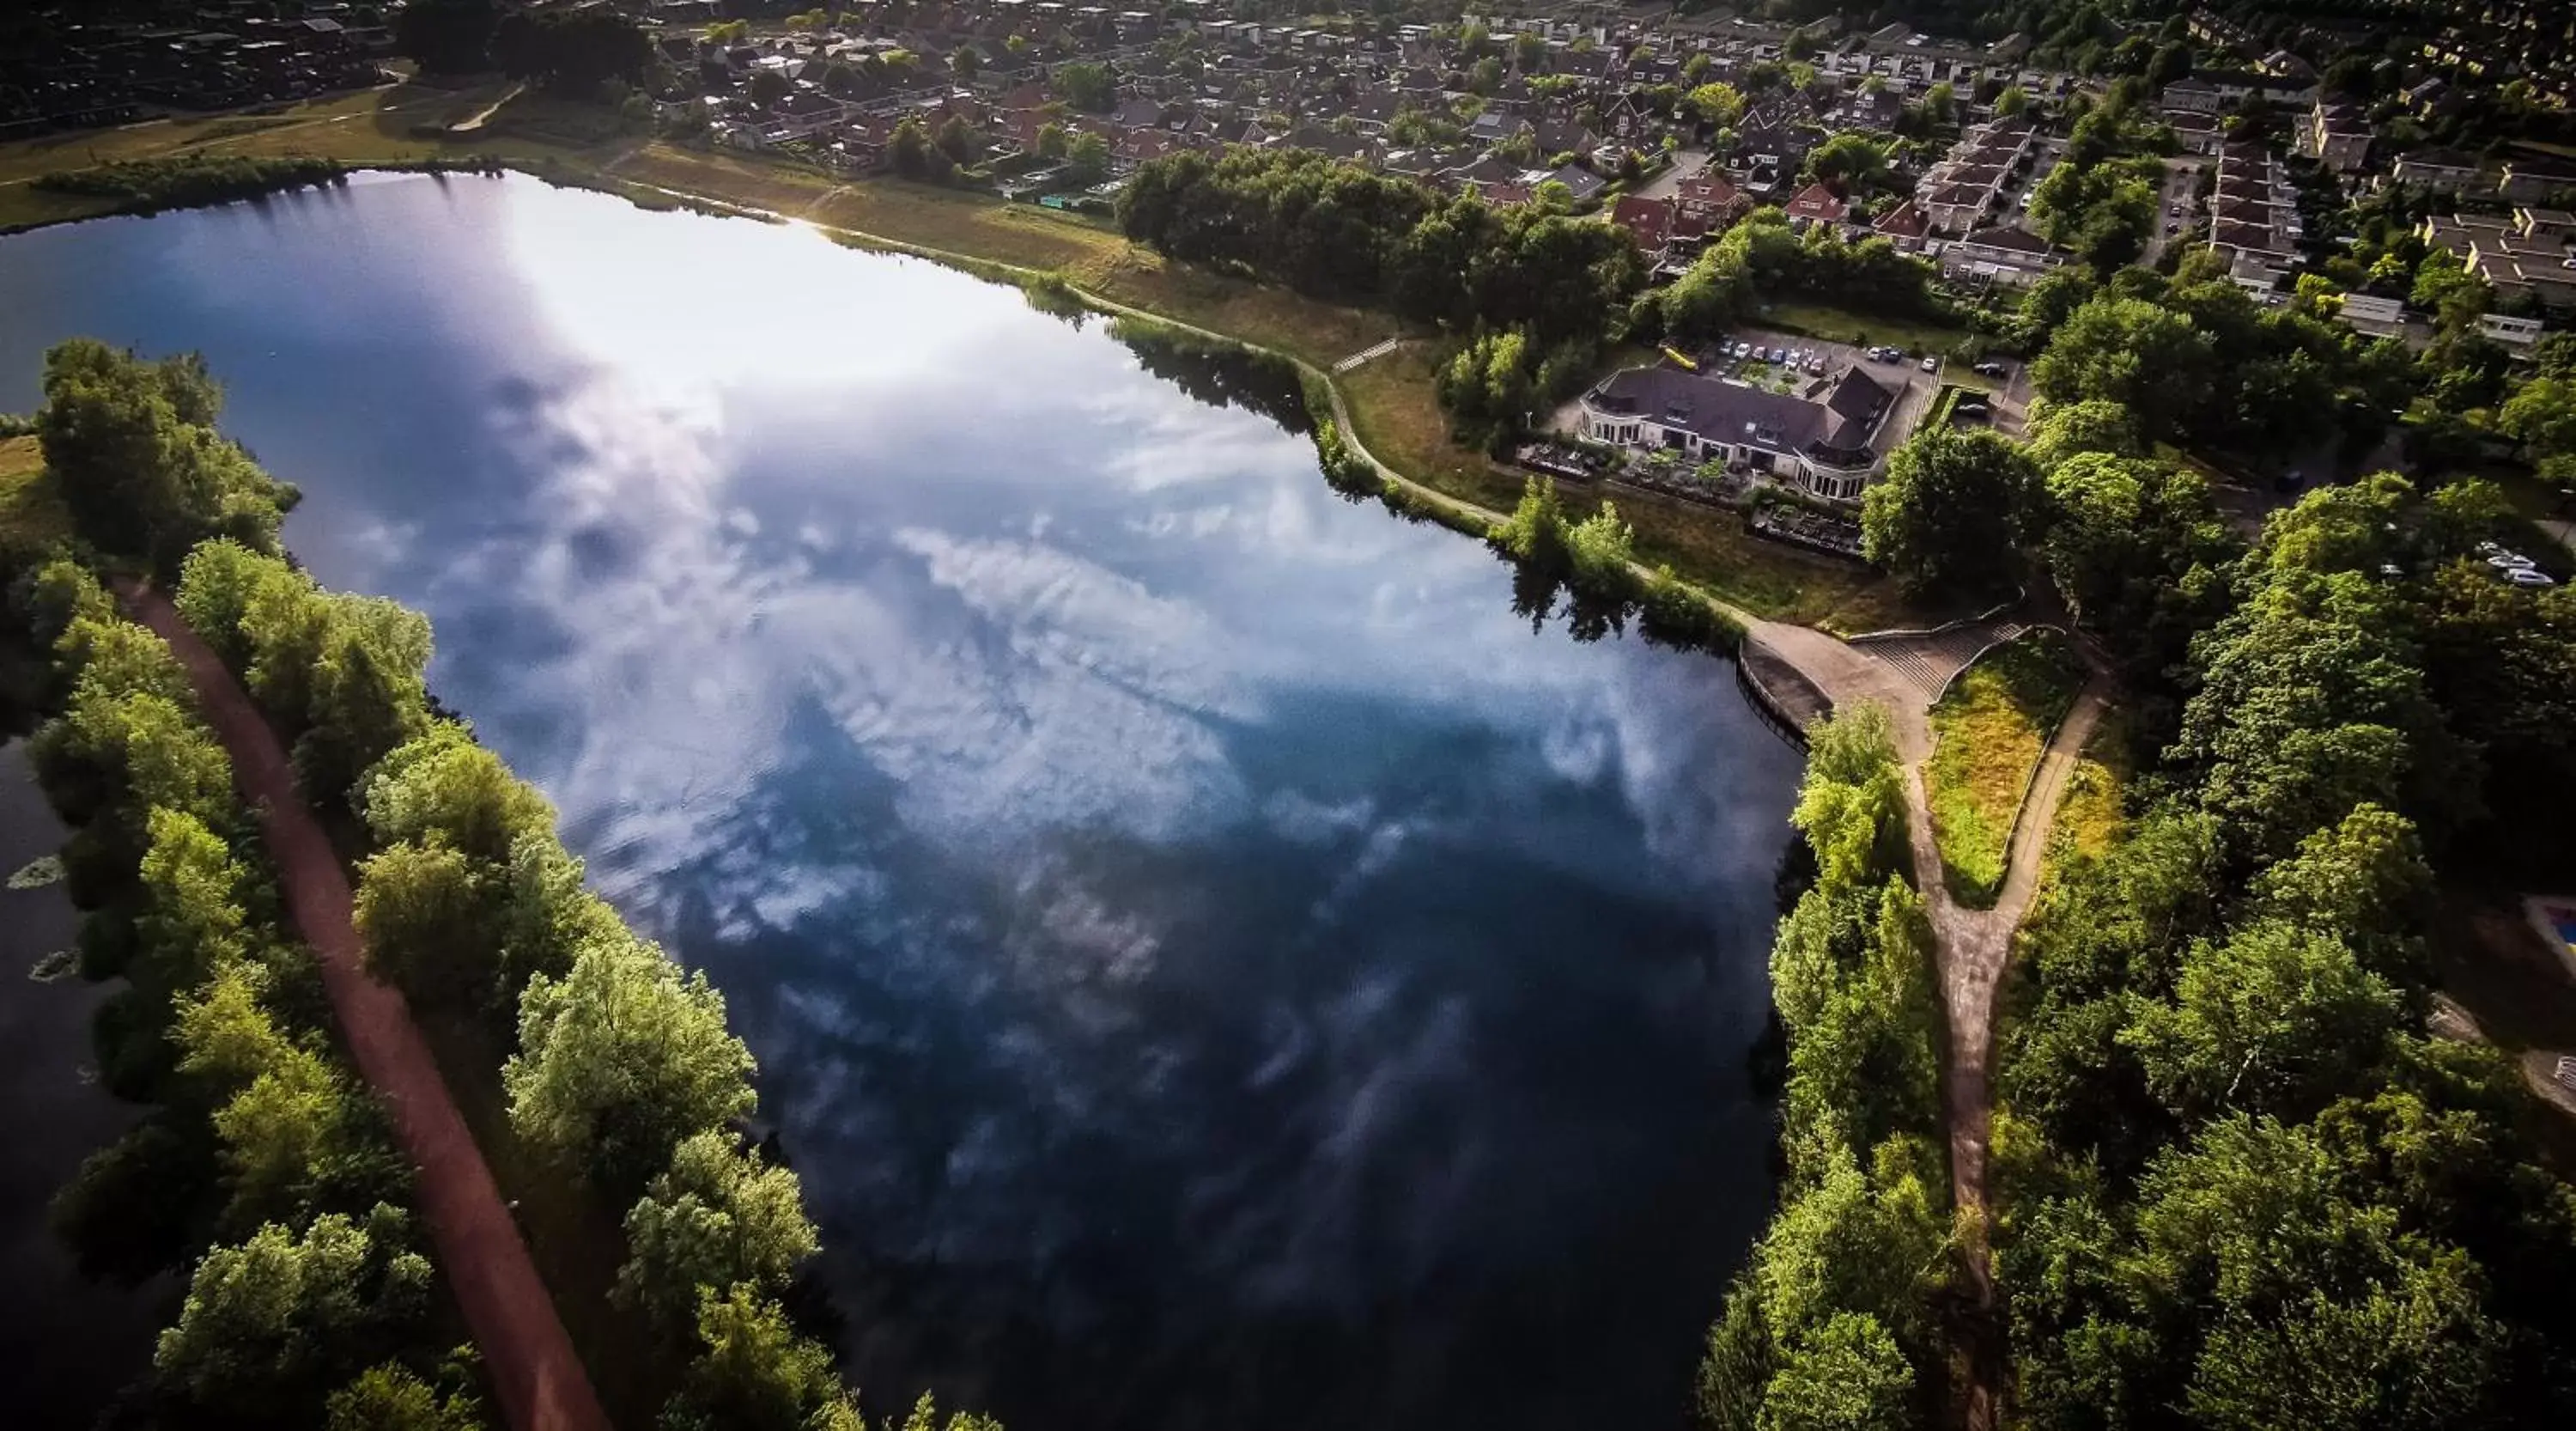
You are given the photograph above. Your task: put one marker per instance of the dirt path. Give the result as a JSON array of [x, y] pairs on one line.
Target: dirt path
[[539, 1378]]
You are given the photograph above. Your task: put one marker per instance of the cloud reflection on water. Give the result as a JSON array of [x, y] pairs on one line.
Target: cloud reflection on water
[[1214, 966]]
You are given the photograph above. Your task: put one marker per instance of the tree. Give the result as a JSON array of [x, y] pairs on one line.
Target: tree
[[1086, 86], [1848, 161], [1718, 105], [425, 914], [1950, 510], [2445, 288], [2273, 1019], [1847, 1375], [443, 788], [390, 1398], [715, 1220], [2012, 101], [757, 1374], [1088, 158], [271, 1325], [447, 37], [2542, 416], [132, 447], [572, 52], [619, 1060], [2133, 353], [909, 150], [768, 87], [965, 62], [1051, 140]]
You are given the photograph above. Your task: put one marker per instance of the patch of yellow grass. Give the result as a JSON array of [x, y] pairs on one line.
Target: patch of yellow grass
[[1988, 733], [2093, 817], [31, 511]]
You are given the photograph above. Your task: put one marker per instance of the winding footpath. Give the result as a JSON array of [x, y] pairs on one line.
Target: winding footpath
[[538, 1377]]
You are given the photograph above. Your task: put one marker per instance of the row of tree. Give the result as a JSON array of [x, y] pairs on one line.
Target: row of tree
[[619, 1072], [1340, 231], [1761, 259], [1831, 1324], [2238, 1184], [262, 1172]]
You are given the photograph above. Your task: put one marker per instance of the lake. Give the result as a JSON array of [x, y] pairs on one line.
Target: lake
[[1213, 963]]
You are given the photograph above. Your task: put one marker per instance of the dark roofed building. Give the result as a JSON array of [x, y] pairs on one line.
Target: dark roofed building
[[1820, 438]]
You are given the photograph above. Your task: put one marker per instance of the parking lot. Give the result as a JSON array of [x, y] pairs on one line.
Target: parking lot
[[1815, 358]]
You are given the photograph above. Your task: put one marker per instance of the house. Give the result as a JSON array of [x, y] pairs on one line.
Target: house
[[2197, 133], [2518, 334], [1817, 204], [2191, 95], [2533, 181], [2445, 171], [1906, 226], [1648, 221], [2373, 317], [2336, 135], [1824, 437], [2004, 254], [1708, 197]]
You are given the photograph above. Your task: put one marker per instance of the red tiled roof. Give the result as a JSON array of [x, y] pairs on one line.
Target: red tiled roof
[[1818, 202]]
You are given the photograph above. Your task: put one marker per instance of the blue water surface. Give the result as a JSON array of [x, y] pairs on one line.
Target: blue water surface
[[1212, 963]]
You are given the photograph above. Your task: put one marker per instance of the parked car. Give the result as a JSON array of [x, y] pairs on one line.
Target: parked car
[[1974, 410], [1931, 364], [2530, 576], [2511, 561], [1993, 370], [1743, 350]]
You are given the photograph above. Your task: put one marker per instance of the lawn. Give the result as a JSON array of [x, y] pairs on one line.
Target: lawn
[[1841, 325], [31, 513], [385, 125], [2092, 816], [1988, 733]]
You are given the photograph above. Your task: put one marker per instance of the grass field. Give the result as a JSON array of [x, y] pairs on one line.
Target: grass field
[[31, 514], [2093, 814], [1988, 732], [1840, 325]]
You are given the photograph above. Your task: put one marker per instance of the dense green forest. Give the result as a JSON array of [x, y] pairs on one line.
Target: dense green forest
[[264, 1173]]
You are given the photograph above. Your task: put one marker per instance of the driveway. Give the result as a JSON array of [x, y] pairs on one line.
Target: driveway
[[2181, 175], [1686, 162]]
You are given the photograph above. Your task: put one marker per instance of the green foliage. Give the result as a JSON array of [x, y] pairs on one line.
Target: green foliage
[[717, 1218], [344, 673], [443, 787], [189, 181], [1086, 86], [133, 448], [1340, 231], [391, 1398], [619, 1060], [1762, 257], [757, 1374], [572, 52], [2135, 354], [1847, 1375], [271, 1325], [2104, 212], [1951, 512], [1718, 105]]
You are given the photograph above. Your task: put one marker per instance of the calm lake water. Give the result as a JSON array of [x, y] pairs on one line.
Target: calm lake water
[[1214, 965], [65, 1342]]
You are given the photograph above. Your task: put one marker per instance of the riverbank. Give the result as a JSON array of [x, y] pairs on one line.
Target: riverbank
[[1386, 406]]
